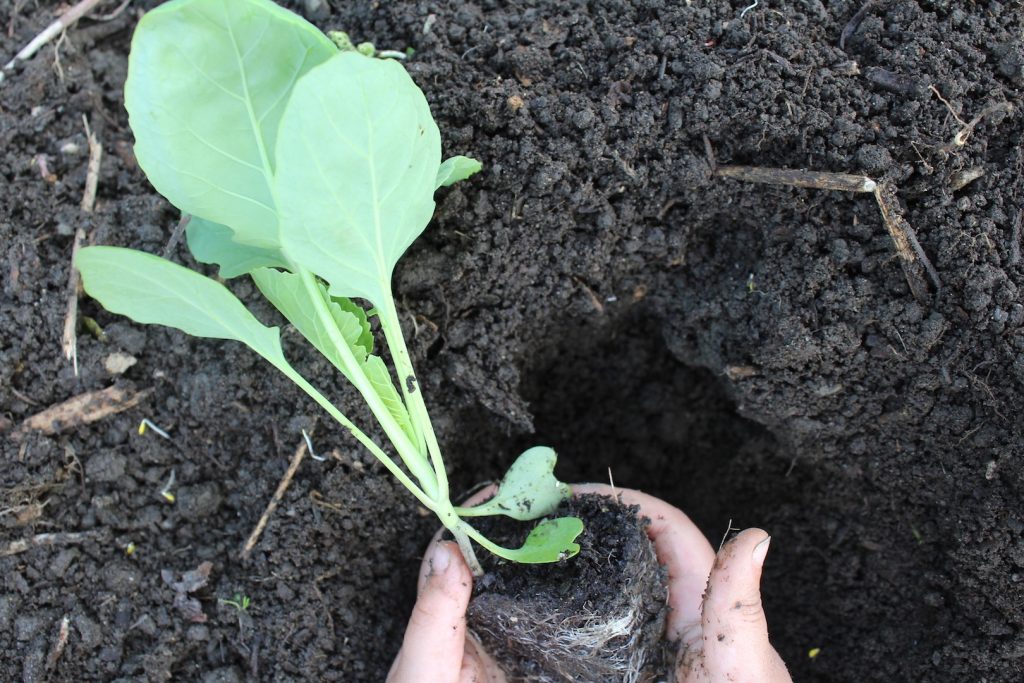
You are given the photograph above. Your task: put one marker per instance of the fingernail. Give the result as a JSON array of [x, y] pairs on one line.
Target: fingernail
[[440, 558], [760, 552]]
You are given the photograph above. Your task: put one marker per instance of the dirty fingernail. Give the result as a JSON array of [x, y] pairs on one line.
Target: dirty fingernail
[[760, 552], [440, 558]]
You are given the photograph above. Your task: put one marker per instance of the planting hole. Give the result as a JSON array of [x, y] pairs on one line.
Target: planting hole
[[611, 395]]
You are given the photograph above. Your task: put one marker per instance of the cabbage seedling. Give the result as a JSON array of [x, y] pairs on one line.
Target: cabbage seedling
[[311, 170]]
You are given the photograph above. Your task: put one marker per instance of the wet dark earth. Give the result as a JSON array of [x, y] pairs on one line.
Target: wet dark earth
[[754, 354]]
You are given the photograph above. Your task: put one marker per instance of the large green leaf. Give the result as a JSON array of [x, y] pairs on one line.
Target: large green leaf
[[149, 289], [287, 293], [529, 490], [215, 243], [207, 83], [357, 158]]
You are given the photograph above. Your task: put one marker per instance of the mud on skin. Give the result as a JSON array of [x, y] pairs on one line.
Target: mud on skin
[[745, 352]]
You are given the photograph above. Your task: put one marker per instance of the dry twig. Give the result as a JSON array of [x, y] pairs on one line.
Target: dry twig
[[24, 544], [914, 261], [282, 486], [58, 26], [92, 175], [844, 182], [70, 337], [62, 641], [81, 409]]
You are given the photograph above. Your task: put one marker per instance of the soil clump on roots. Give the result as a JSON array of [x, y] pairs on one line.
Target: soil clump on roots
[[599, 617]]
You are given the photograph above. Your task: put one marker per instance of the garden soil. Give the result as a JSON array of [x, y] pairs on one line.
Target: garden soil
[[750, 353]]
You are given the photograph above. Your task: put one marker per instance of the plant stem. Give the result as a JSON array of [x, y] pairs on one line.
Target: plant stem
[[412, 391], [410, 454], [361, 436]]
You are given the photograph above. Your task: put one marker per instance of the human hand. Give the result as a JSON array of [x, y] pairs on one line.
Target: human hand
[[436, 646], [716, 612], [715, 605]]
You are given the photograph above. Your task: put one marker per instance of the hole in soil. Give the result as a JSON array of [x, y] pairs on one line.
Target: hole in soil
[[609, 394]]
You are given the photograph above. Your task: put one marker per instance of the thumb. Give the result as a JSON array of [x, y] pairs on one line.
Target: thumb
[[435, 638], [736, 646]]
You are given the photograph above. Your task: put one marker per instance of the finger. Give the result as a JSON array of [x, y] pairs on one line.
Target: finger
[[680, 546], [736, 646], [481, 495], [435, 638]]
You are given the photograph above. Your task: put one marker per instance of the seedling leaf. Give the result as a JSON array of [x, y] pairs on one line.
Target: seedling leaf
[[365, 339], [287, 293], [454, 169], [149, 289], [380, 378], [207, 83], [214, 243], [550, 541], [357, 157], [529, 489]]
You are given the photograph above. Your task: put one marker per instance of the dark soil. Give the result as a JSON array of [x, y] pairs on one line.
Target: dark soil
[[599, 617], [749, 353]]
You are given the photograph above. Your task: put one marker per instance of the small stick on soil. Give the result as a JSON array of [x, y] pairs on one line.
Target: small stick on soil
[[912, 257], [115, 14], [92, 175], [70, 338], [81, 409], [914, 261], [300, 452], [58, 647], [843, 182], [176, 235], [63, 22], [967, 127], [595, 301], [853, 24], [25, 544]]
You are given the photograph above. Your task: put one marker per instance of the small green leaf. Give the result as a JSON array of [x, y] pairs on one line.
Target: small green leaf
[[287, 293], [152, 290], [550, 541], [377, 372], [365, 339], [357, 156], [529, 490], [457, 168], [214, 243]]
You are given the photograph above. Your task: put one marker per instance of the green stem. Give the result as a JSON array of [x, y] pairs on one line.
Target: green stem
[[410, 454], [361, 436], [411, 390], [496, 549], [482, 510]]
